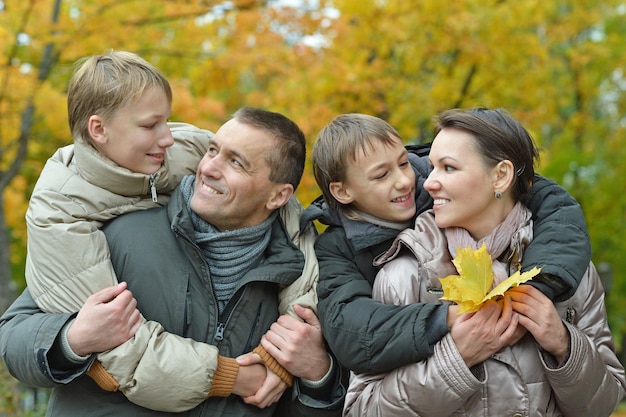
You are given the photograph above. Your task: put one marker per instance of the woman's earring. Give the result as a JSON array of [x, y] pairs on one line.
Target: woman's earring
[[498, 195]]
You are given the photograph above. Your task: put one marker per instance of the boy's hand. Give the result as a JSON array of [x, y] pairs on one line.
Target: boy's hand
[[107, 319], [259, 391]]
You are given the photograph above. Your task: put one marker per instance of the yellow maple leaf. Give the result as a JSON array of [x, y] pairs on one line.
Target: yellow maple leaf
[[471, 288]]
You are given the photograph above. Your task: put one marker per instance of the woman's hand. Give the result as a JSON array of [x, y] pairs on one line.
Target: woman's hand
[[481, 334], [538, 314]]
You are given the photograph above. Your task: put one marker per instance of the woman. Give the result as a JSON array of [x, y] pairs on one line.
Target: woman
[[558, 359]]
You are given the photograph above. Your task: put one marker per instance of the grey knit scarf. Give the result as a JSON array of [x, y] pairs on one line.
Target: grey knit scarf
[[229, 254]]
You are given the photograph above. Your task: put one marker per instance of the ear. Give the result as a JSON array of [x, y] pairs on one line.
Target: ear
[[279, 197], [95, 126], [340, 192], [504, 175]]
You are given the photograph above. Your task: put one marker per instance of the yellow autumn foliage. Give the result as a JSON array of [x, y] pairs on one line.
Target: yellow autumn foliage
[[472, 287]]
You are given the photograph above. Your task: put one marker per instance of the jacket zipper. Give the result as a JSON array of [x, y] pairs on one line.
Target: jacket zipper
[[153, 189], [223, 318], [225, 315]]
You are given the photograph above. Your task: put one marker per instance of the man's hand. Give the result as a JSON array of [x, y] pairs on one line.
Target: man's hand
[[481, 334], [107, 319], [262, 389], [298, 345]]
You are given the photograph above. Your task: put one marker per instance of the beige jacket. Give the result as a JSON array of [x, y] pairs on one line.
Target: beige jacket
[[77, 191], [68, 258], [521, 380]]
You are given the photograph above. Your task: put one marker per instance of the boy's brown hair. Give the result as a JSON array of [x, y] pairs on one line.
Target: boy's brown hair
[[341, 139]]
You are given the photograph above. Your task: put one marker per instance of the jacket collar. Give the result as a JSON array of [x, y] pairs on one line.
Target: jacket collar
[[361, 234], [102, 172], [282, 263]]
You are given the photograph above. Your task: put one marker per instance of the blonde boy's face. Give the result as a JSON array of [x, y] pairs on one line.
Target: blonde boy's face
[[137, 136], [380, 182]]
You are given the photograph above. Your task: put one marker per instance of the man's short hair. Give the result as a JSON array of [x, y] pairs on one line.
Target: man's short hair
[[286, 159]]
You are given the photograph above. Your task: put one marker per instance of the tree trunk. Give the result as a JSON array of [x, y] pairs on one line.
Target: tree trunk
[[49, 59], [7, 287]]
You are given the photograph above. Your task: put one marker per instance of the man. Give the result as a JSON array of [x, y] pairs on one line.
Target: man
[[208, 266]]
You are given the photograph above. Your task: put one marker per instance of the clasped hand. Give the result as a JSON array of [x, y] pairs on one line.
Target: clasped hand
[[524, 308], [296, 344]]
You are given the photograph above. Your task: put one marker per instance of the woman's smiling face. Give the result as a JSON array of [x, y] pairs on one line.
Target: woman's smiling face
[[461, 184]]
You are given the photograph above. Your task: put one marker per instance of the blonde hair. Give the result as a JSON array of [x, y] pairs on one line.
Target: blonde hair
[[102, 84]]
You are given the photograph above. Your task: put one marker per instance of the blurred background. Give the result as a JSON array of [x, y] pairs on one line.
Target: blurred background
[[557, 65]]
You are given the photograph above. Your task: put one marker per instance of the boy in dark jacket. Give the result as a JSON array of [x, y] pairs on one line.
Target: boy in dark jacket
[[372, 189]]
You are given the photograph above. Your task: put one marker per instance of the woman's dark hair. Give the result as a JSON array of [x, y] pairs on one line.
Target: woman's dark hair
[[499, 137]]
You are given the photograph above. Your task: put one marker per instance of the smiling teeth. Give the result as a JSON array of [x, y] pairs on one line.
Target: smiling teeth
[[209, 189], [401, 199], [439, 201]]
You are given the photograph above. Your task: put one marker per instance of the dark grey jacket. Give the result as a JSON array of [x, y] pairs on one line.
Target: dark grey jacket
[[368, 336], [168, 276]]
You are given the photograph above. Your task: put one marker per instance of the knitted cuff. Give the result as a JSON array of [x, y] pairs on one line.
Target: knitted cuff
[[67, 349], [224, 377], [325, 378], [102, 377], [273, 365]]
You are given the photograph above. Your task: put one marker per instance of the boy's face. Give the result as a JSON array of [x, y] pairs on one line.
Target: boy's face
[[380, 182], [137, 136]]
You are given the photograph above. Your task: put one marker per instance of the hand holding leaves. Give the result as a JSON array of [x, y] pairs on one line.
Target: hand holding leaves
[[470, 289]]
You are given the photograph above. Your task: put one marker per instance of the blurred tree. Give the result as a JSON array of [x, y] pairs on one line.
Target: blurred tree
[[557, 65]]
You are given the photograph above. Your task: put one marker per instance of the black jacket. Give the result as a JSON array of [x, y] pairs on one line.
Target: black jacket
[[368, 336]]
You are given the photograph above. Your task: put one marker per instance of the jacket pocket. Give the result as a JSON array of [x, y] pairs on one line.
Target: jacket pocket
[[250, 343]]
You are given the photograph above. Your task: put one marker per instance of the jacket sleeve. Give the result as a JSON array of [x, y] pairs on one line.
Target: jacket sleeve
[[297, 401], [437, 386], [160, 370], [561, 245], [156, 370], [27, 337], [63, 283], [364, 334], [592, 361], [191, 143], [303, 290]]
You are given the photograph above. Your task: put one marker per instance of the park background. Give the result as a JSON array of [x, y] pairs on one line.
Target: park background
[[557, 65]]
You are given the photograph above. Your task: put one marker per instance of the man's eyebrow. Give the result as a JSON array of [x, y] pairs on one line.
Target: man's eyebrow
[[231, 152]]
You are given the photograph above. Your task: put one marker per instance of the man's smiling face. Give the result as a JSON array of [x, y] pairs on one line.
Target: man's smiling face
[[233, 188]]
